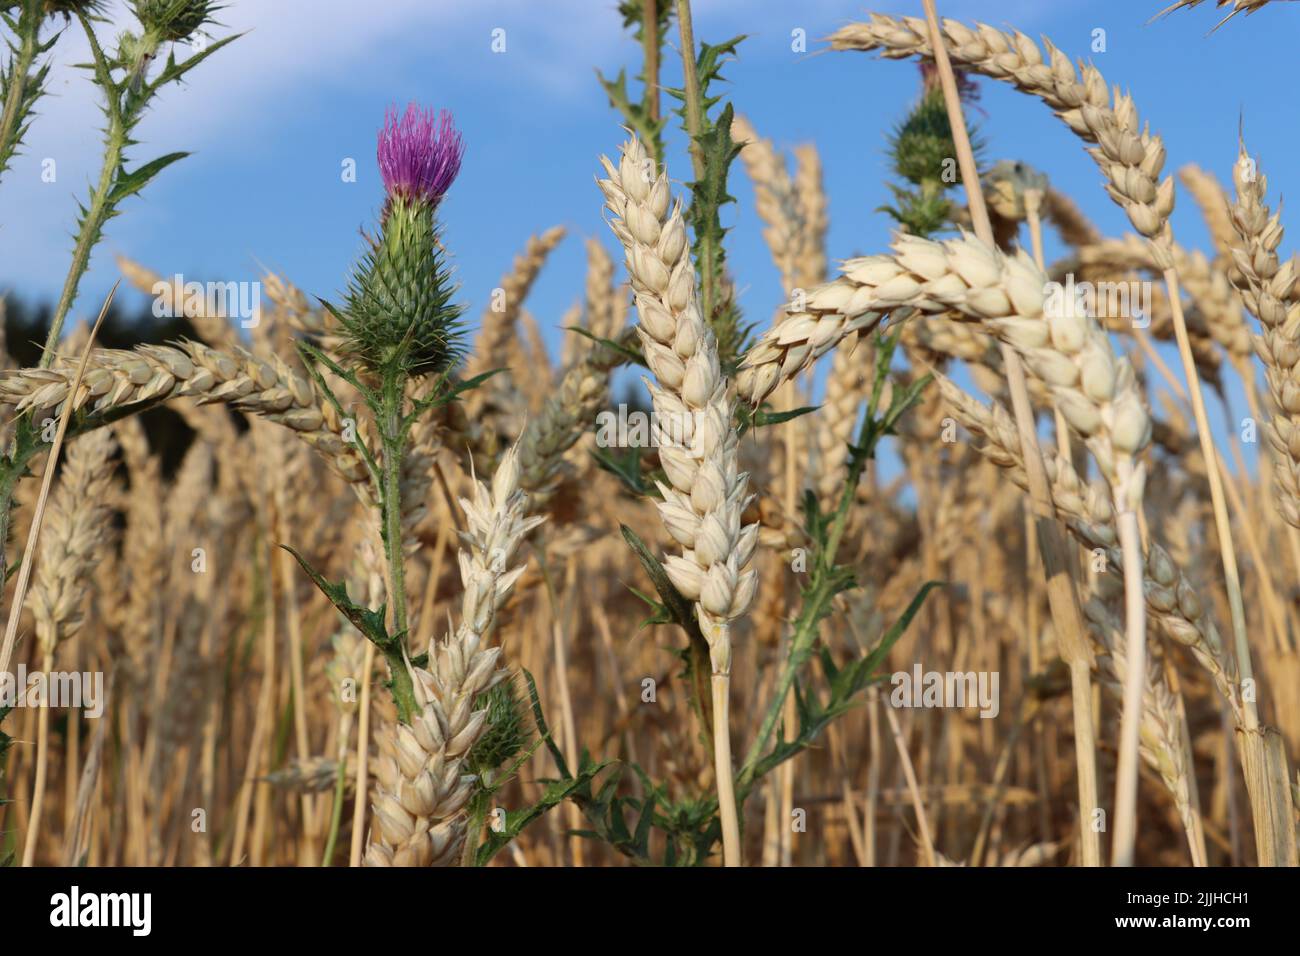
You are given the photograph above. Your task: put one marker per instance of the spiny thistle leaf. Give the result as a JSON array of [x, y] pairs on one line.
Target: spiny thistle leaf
[[128, 184], [368, 622]]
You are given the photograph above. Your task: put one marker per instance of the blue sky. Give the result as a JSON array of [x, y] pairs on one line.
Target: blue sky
[[271, 119]]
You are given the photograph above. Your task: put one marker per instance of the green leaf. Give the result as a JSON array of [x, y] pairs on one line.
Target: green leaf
[[625, 467], [747, 419], [128, 184], [635, 115], [368, 622], [633, 356], [172, 71], [682, 612], [543, 731]]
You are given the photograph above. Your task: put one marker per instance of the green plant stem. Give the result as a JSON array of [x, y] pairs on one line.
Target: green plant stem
[[393, 436], [694, 127], [650, 48], [340, 789], [88, 235], [823, 587], [478, 805], [101, 209], [29, 28], [691, 86]]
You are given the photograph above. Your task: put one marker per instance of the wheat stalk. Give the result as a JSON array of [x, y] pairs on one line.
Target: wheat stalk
[[1163, 745], [706, 492]]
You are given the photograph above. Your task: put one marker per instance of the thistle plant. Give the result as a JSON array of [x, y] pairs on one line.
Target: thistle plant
[[129, 86], [22, 81], [398, 324]]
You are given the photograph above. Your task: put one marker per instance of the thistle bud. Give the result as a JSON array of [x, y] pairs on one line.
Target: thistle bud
[[399, 311], [169, 20]]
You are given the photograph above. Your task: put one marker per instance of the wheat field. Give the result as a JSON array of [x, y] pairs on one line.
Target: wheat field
[[946, 558]]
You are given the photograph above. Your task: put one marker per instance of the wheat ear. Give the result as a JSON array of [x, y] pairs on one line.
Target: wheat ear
[[1163, 746], [116, 378], [76, 526], [1266, 285], [497, 325], [564, 418], [706, 492], [1088, 514], [423, 783]]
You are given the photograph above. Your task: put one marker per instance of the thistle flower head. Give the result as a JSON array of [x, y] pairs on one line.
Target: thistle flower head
[[174, 20], [419, 154], [399, 311]]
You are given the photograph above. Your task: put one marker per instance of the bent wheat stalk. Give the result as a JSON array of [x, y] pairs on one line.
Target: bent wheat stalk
[[1131, 158]]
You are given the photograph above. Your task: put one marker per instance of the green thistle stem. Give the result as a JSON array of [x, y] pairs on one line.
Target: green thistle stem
[[823, 587], [478, 807], [29, 28], [393, 437], [100, 211]]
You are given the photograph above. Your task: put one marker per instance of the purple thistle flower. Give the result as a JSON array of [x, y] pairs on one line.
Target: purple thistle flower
[[419, 154]]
